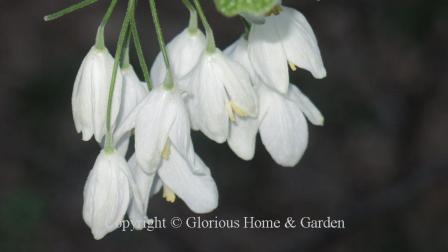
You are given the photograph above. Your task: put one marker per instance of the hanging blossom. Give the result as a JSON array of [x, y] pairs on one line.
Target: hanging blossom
[[221, 91], [107, 193], [285, 39], [90, 94], [281, 122], [163, 148]]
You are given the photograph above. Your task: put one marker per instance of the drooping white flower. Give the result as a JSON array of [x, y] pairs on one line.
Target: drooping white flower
[[221, 90], [163, 145], [184, 52], [133, 92], [282, 126], [106, 194], [284, 39], [90, 94]]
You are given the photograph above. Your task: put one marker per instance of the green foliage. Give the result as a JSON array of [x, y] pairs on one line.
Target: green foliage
[[235, 7]]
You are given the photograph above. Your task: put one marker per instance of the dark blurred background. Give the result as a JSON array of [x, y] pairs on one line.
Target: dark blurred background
[[380, 163]]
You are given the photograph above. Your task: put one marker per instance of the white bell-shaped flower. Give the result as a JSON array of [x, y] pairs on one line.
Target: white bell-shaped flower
[[221, 90], [90, 94], [163, 145], [184, 52], [106, 194], [285, 39], [160, 121], [133, 92], [282, 126]]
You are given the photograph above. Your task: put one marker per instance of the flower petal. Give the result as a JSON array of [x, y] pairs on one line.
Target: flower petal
[[308, 108], [101, 80], [242, 137], [198, 191], [210, 98], [152, 127], [106, 194], [268, 56], [299, 41], [82, 98], [145, 189], [283, 130], [184, 52], [128, 123], [238, 51]]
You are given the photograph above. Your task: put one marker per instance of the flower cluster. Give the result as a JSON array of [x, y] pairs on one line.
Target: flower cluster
[[228, 95]]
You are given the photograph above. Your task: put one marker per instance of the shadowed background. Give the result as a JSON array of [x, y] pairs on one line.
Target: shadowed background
[[380, 163]]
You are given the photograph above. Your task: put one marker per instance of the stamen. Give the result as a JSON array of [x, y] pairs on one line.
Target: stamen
[[292, 66], [230, 111], [168, 194], [275, 11], [239, 111], [166, 150]]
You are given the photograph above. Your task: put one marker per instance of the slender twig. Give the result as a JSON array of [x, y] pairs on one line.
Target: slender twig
[[193, 23], [121, 40], [211, 45], [168, 83], [69, 10], [140, 56], [100, 34]]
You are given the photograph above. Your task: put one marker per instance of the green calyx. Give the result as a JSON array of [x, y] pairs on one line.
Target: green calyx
[[232, 8]]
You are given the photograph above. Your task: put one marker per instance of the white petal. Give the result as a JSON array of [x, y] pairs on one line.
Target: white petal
[[145, 187], [198, 191], [122, 144], [238, 51], [308, 108], [179, 134], [184, 52], [158, 71], [100, 81], [242, 138], [210, 98], [283, 130], [192, 108], [240, 90], [106, 194], [299, 41], [128, 123], [152, 127], [82, 106], [268, 56], [133, 93]]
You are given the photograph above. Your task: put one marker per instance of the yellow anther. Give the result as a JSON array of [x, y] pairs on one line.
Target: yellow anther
[[233, 109], [230, 111], [292, 66], [239, 111], [275, 11], [168, 194], [166, 150]]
